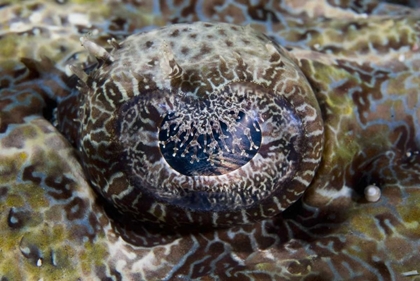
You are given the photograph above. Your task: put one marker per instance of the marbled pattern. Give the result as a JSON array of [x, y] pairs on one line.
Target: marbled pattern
[[123, 105], [362, 61]]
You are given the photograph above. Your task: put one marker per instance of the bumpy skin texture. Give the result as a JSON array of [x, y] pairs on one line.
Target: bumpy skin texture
[[361, 61], [199, 95]]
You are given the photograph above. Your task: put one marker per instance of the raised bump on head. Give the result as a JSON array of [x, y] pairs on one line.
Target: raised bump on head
[[79, 73], [168, 64], [114, 43], [96, 50], [372, 193]]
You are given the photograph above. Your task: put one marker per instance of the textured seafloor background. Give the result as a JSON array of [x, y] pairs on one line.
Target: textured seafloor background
[[52, 227]]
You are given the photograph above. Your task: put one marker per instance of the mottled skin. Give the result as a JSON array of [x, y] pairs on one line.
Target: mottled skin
[[362, 62], [171, 72]]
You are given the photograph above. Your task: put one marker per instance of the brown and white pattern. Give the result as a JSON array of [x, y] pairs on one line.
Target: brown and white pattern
[[359, 59], [205, 92]]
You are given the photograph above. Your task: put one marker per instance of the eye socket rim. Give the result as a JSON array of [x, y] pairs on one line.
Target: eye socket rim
[[225, 185], [269, 207]]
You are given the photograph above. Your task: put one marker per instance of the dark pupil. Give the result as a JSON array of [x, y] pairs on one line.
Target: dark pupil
[[223, 150]]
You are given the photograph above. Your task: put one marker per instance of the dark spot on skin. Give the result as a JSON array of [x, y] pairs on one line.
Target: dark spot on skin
[[185, 50], [118, 24], [188, 10], [246, 41], [175, 33], [151, 63], [17, 218], [210, 36], [63, 20], [205, 49], [116, 274], [4, 83], [62, 48], [3, 127], [229, 43], [307, 34], [149, 44], [222, 32], [275, 58], [334, 49], [208, 25], [28, 175], [234, 28], [193, 36], [61, 187], [3, 191], [35, 7], [75, 209], [261, 13]]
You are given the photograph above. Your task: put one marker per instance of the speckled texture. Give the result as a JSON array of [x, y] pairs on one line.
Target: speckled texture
[[361, 60], [123, 104]]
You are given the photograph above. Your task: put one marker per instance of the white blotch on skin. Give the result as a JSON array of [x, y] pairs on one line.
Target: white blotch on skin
[[401, 58], [79, 19]]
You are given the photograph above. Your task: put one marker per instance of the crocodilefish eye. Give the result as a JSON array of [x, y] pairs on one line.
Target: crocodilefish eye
[[197, 123]]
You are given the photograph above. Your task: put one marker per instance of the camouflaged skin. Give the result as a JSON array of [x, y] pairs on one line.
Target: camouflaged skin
[[362, 61], [123, 105]]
